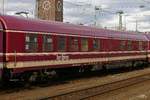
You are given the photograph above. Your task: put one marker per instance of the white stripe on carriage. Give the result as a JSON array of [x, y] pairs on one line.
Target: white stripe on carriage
[[71, 53], [27, 64]]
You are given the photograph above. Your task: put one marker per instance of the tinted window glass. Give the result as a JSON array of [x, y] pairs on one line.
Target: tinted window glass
[[47, 43], [31, 43], [84, 44], [74, 44], [129, 45], [123, 45], [96, 45], [61, 43]]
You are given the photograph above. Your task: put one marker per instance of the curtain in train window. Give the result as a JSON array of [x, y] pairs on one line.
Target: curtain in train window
[[84, 44], [61, 43], [96, 45], [31, 44], [47, 43], [74, 44]]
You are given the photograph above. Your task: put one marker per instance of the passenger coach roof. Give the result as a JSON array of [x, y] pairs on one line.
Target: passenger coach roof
[[22, 24]]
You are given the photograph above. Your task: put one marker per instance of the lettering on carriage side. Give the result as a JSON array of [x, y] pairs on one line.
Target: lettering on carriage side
[[62, 57]]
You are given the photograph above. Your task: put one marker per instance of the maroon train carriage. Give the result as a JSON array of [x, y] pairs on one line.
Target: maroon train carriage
[[148, 52], [1, 49], [34, 46]]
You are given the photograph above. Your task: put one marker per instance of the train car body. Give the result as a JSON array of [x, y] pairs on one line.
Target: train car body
[[148, 52], [32, 45], [1, 50]]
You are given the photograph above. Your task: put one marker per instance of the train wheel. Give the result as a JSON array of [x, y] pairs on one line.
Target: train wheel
[[67, 72], [88, 69], [5, 77], [145, 63], [132, 65], [104, 69], [25, 77]]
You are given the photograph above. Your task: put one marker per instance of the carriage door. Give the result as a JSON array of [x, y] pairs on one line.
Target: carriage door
[[1, 50]]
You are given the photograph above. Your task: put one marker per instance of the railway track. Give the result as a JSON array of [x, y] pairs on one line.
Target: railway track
[[86, 93], [78, 89]]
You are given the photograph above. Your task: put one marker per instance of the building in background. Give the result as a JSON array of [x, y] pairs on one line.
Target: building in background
[[49, 10]]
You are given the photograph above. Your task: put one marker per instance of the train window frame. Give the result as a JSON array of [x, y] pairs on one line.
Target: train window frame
[[97, 44], [73, 44], [47, 43], [31, 43], [84, 44], [60, 43]]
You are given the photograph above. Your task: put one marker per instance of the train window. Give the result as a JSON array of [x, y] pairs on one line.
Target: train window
[[47, 43], [122, 45], [74, 44], [84, 44], [31, 43], [129, 45], [142, 46], [61, 43], [96, 44]]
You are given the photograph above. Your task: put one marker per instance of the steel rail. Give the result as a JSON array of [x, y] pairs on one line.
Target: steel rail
[[99, 90]]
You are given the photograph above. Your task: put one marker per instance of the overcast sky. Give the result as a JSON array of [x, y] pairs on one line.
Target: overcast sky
[[82, 11]]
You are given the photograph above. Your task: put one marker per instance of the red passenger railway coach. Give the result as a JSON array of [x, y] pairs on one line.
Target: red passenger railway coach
[[30, 46]]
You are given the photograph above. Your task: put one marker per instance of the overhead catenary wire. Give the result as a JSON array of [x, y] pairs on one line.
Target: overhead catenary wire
[[146, 1], [83, 8]]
